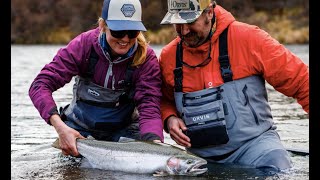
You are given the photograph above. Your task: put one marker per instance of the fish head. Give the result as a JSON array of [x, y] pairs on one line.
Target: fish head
[[188, 165]]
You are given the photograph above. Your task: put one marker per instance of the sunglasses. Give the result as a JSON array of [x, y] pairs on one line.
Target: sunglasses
[[120, 34]]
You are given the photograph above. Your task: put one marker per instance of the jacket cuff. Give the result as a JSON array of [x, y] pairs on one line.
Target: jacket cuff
[[150, 137], [53, 111]]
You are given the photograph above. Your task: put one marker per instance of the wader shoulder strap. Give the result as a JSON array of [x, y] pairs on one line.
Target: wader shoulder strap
[[129, 72], [178, 70], [226, 72], [93, 59], [128, 84]]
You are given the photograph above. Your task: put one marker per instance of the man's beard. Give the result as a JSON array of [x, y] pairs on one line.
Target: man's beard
[[196, 39]]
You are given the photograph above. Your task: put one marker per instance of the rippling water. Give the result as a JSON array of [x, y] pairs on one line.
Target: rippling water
[[32, 156]]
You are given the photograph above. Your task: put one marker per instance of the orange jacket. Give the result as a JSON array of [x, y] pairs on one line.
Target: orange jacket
[[251, 50]]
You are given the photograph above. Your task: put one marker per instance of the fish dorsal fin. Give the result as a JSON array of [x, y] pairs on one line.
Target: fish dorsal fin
[[171, 145], [90, 137], [162, 144], [126, 139], [179, 147]]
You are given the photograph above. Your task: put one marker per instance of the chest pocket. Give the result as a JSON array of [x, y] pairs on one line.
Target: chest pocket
[[204, 115]]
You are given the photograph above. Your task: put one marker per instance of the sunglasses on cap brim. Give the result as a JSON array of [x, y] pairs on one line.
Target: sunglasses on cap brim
[[120, 34]]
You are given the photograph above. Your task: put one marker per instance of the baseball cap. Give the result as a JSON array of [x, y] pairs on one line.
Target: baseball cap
[[184, 11], [123, 15]]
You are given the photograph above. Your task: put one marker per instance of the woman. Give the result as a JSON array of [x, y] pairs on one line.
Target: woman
[[115, 73]]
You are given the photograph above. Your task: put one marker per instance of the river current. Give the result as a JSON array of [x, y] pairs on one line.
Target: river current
[[32, 156]]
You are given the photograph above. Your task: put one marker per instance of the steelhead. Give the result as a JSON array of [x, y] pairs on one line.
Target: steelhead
[[159, 159]]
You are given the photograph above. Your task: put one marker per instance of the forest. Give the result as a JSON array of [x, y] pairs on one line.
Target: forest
[[58, 21]]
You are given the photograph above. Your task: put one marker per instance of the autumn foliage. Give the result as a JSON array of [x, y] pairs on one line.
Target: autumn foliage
[[58, 21]]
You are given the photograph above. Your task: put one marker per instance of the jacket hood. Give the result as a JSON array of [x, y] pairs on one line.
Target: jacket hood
[[223, 19]]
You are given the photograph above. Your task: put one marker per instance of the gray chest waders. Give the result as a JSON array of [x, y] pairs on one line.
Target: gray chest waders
[[97, 108], [203, 111]]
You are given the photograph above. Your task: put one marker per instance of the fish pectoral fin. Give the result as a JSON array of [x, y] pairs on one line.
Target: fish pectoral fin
[[160, 173], [56, 144]]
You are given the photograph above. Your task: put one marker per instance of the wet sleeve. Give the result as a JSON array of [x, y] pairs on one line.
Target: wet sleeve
[[147, 97]]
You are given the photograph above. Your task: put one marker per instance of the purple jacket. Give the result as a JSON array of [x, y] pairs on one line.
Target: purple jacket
[[72, 60]]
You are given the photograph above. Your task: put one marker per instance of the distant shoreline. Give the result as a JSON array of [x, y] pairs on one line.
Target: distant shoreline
[[284, 29], [48, 23]]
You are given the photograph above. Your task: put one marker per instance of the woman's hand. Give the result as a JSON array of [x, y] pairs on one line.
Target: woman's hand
[[67, 136]]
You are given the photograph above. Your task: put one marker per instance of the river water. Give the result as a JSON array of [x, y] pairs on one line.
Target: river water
[[32, 156]]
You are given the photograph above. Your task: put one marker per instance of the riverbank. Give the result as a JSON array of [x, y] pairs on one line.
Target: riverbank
[[48, 22], [285, 28]]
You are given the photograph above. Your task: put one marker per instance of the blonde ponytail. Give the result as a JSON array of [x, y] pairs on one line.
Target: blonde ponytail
[[141, 53]]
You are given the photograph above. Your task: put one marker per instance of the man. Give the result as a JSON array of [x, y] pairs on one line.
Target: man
[[214, 97]]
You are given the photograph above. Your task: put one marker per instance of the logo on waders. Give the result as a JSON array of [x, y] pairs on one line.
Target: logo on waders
[[200, 118], [93, 92]]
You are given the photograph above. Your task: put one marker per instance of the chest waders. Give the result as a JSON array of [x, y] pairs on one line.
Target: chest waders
[[223, 118], [203, 111], [99, 109]]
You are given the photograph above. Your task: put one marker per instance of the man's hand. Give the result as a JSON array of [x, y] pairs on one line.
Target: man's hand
[[176, 126]]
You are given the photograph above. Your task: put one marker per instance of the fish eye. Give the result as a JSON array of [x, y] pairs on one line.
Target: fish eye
[[189, 161]]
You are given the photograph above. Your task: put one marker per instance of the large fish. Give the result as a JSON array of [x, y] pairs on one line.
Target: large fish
[[159, 159]]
